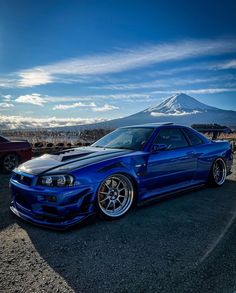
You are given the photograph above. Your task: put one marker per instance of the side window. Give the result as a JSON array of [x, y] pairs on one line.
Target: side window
[[172, 137], [194, 139]]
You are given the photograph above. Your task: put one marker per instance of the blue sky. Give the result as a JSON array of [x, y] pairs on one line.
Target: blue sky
[[70, 62]]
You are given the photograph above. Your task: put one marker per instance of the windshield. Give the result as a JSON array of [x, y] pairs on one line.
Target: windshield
[[126, 138]]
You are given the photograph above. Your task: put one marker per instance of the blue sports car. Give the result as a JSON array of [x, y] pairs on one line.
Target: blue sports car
[[131, 165]]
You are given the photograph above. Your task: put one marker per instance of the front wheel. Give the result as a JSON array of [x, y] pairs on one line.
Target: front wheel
[[115, 196], [218, 172]]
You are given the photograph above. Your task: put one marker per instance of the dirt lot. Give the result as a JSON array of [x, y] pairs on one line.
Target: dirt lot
[[185, 244]]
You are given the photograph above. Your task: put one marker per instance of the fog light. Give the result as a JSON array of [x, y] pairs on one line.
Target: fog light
[[52, 198]]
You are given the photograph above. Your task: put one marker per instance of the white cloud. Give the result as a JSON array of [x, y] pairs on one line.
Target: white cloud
[[231, 64], [123, 96], [210, 90], [166, 83], [199, 66], [16, 122], [34, 99], [6, 105], [196, 91], [105, 108], [120, 97], [176, 113], [90, 98], [91, 105], [123, 60], [29, 78], [75, 105], [10, 82], [7, 97]]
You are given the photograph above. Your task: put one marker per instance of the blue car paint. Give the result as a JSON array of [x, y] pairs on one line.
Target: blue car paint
[[152, 174]]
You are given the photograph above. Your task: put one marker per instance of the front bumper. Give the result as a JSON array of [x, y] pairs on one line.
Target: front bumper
[[57, 208], [46, 223]]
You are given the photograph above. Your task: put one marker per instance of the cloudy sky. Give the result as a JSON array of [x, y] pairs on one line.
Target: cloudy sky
[[72, 62]]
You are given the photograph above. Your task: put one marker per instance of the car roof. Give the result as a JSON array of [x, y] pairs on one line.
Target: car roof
[[166, 124]]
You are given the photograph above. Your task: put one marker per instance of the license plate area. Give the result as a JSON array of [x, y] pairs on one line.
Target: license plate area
[[23, 200]]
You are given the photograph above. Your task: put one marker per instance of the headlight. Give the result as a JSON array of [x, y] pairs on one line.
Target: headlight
[[56, 180]]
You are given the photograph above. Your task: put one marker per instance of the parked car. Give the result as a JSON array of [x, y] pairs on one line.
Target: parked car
[[131, 165], [12, 153]]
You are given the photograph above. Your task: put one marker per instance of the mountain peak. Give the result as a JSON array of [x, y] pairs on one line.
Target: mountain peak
[[180, 104], [181, 96]]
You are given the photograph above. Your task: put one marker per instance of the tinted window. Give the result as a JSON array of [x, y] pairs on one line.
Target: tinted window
[[133, 138], [194, 139], [172, 137]]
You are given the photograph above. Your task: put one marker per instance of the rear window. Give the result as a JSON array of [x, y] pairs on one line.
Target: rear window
[[194, 138]]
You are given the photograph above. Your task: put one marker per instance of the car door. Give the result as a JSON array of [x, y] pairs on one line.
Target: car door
[[200, 149], [173, 167]]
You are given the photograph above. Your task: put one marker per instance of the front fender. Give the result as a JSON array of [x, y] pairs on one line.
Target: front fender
[[94, 175]]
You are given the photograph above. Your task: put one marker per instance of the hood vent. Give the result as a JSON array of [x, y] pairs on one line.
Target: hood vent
[[75, 156]]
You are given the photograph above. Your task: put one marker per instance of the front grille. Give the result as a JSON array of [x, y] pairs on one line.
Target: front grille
[[50, 210], [22, 179]]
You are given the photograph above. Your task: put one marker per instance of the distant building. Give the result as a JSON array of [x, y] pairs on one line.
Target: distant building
[[215, 129]]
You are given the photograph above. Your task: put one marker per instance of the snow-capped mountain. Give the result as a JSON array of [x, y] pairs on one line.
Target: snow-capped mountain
[[179, 104], [180, 109]]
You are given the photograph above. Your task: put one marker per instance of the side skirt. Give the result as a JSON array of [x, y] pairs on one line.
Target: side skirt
[[171, 194]]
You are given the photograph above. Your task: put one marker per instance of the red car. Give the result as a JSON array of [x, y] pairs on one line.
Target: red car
[[12, 153]]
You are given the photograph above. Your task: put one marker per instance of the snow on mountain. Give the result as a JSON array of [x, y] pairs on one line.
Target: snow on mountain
[[179, 104]]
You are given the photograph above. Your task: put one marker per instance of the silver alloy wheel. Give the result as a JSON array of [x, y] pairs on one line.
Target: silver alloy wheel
[[115, 195], [219, 171], [10, 161]]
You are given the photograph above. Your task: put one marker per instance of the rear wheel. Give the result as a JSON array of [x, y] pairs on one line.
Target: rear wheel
[[115, 196], [10, 162], [218, 172]]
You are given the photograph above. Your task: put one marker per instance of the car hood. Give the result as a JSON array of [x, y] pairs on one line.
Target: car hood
[[69, 160]]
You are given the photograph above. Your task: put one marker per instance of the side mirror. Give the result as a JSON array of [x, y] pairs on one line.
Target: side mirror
[[158, 147]]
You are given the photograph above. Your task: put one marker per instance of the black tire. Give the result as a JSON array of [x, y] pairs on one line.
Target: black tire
[[9, 162], [218, 173], [115, 197]]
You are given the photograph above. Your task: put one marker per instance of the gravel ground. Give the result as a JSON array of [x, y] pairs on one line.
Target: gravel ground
[[185, 244]]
